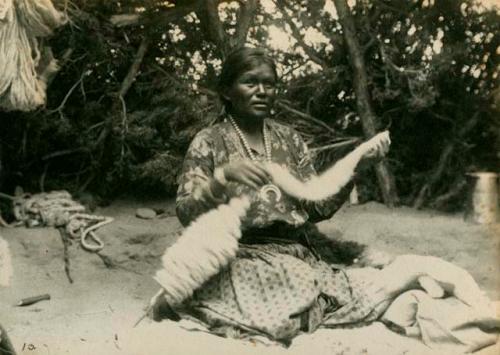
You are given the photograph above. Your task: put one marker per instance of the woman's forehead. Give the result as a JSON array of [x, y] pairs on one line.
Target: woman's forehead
[[261, 69]]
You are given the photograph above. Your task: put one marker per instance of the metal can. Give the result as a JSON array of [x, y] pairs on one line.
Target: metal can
[[483, 197]]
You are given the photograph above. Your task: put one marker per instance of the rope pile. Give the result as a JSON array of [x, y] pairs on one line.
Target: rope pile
[[211, 241], [23, 80], [58, 209]]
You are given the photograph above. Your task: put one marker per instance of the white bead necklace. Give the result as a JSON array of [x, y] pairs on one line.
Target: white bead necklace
[[246, 145], [269, 189]]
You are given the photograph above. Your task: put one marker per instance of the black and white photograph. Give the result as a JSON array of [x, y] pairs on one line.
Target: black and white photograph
[[275, 177]]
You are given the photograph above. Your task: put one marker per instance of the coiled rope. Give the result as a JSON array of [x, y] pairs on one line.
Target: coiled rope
[[58, 209]]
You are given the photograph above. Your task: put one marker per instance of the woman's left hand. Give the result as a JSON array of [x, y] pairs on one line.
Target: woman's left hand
[[376, 152], [380, 149]]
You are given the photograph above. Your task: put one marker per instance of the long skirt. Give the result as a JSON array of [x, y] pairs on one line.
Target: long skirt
[[280, 290]]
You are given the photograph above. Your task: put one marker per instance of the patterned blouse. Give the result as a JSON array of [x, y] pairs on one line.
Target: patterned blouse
[[218, 145]]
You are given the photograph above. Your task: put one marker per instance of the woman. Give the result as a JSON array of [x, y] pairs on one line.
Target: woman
[[280, 283], [270, 287]]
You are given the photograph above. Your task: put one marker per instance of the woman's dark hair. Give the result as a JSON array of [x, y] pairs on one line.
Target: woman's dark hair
[[238, 62]]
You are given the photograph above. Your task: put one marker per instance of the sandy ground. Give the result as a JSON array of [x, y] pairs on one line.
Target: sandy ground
[[95, 312]]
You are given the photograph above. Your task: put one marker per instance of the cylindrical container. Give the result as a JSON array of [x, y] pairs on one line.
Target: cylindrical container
[[483, 198]]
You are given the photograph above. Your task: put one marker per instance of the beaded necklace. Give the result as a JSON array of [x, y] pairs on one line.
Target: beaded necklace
[[246, 145], [269, 189]]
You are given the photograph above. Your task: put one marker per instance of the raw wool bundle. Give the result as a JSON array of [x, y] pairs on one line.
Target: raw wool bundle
[[204, 248], [22, 80], [58, 209], [5, 263], [211, 241]]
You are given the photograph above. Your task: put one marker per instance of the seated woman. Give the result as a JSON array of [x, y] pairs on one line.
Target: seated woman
[[281, 282]]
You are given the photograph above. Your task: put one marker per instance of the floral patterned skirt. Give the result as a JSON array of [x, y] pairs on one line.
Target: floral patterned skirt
[[279, 290]]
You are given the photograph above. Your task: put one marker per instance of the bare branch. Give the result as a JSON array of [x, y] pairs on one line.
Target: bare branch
[[456, 189], [386, 59], [245, 20], [134, 68], [213, 25], [311, 53], [286, 107], [446, 154], [124, 127], [124, 20], [41, 183], [369, 44], [64, 152], [389, 7], [166, 16], [7, 197], [68, 94]]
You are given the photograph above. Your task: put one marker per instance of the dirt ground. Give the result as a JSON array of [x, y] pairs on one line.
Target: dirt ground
[[88, 316]]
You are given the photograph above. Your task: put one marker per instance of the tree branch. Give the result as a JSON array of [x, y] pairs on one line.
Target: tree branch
[[280, 4], [456, 189], [68, 94], [445, 156], [403, 12], [166, 16], [124, 20], [64, 152], [214, 25], [245, 21], [134, 68], [304, 115]]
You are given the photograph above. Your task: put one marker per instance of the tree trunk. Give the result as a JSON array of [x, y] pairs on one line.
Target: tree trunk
[[363, 101], [245, 21], [210, 18], [224, 42]]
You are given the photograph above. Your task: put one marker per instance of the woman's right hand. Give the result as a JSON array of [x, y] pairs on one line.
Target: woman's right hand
[[246, 172]]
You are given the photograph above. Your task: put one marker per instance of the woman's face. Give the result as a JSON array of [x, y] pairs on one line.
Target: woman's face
[[252, 94]]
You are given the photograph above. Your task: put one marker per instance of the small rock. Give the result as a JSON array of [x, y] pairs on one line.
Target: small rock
[[145, 213], [159, 211]]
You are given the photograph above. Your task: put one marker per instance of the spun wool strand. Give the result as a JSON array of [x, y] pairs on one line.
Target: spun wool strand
[[331, 181]]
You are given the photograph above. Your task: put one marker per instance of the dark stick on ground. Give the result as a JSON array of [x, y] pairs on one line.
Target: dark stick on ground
[[66, 242]]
